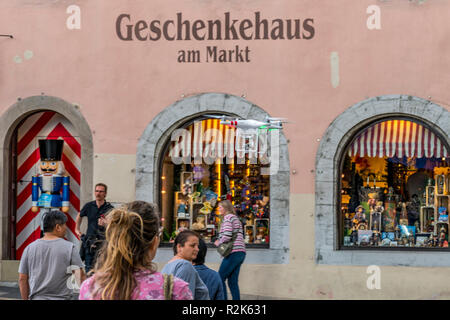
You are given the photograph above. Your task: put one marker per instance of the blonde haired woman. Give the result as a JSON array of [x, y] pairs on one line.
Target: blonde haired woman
[[124, 268], [231, 264]]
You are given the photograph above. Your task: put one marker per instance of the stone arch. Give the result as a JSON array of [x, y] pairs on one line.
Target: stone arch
[[157, 134], [10, 119], [333, 144]]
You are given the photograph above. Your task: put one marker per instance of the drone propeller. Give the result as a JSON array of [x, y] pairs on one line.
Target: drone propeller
[[213, 116], [283, 120], [222, 117]]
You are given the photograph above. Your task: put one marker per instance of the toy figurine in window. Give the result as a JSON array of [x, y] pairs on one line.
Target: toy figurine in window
[[210, 197], [260, 235], [430, 241], [435, 241], [360, 218], [347, 224], [249, 235], [187, 187], [228, 195], [404, 239], [53, 184], [389, 215], [182, 209], [417, 225], [375, 218], [429, 224], [264, 203], [200, 224], [442, 235], [360, 214], [376, 238], [440, 179], [411, 240], [198, 173], [196, 197], [250, 219], [372, 201], [403, 215], [206, 209], [398, 233], [183, 225]]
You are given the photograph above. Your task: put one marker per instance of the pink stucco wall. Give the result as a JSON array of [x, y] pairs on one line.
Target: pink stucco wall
[[122, 85]]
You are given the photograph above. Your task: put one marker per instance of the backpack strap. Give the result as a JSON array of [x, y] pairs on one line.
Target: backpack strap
[[168, 286]]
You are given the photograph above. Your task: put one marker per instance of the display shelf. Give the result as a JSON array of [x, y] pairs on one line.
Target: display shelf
[[183, 222], [249, 233], [429, 196], [441, 201], [187, 215], [426, 212]]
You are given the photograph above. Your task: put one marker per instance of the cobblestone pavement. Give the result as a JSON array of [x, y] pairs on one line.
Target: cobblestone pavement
[[9, 291]]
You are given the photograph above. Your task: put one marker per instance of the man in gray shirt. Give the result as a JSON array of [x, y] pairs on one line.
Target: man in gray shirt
[[48, 263]]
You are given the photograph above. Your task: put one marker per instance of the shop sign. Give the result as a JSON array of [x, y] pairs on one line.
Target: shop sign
[[226, 28]]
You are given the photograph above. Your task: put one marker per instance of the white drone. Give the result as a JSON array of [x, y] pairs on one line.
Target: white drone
[[248, 124]]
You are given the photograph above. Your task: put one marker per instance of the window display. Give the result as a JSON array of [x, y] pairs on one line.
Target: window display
[[395, 188], [190, 192]]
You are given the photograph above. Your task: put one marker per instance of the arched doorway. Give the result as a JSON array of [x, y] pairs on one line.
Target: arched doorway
[[42, 125], [21, 126]]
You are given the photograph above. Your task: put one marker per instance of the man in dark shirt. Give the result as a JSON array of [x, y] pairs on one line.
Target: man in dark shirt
[[210, 277], [95, 212]]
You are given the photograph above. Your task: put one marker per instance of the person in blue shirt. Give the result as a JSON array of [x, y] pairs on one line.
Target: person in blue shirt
[[210, 277], [185, 249]]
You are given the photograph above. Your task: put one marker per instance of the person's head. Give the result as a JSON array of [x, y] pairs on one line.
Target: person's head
[[55, 223], [202, 249], [185, 245], [100, 191], [226, 207], [132, 238]]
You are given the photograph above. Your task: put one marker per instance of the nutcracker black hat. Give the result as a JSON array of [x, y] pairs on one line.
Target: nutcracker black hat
[[51, 150]]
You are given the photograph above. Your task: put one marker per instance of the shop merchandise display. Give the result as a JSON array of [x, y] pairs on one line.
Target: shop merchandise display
[[190, 194], [410, 223], [246, 188], [389, 200]]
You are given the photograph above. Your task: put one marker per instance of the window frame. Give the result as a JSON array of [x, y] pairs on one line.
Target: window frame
[[339, 132], [164, 150], [149, 147], [340, 236]]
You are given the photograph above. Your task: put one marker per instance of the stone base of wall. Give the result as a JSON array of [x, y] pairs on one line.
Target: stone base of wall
[[9, 270]]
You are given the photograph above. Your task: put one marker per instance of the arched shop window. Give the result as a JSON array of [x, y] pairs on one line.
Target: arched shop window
[[206, 163], [395, 189]]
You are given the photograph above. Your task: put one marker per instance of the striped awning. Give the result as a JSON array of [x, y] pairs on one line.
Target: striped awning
[[397, 138]]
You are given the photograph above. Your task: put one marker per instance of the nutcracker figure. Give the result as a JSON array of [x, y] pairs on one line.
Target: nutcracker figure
[[52, 183]]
